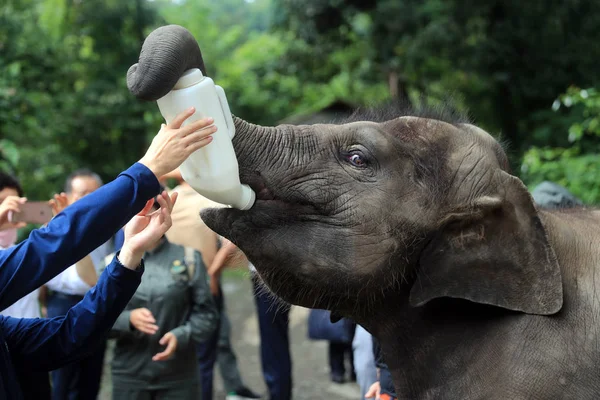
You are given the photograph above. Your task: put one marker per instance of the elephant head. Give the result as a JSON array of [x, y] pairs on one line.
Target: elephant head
[[404, 207]]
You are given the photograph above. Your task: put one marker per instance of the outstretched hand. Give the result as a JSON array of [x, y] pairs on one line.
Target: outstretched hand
[[144, 230], [174, 143], [59, 203]]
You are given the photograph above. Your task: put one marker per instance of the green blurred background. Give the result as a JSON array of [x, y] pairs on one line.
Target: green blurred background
[[527, 71]]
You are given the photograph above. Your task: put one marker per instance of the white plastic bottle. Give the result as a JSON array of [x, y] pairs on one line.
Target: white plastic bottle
[[212, 170]]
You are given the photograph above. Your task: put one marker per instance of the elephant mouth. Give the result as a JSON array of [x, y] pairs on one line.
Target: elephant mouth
[[272, 210], [258, 184]]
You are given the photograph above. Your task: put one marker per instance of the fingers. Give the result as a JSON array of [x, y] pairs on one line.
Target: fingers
[[171, 342], [174, 199], [191, 148], [163, 201], [166, 337], [205, 125], [146, 208], [145, 321], [167, 202], [162, 356], [149, 329], [147, 314], [199, 134], [59, 202], [180, 118]]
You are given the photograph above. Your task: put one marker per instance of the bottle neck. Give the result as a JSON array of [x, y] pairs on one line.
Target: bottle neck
[[190, 77]]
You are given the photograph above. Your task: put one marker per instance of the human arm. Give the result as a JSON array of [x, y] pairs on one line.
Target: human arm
[[203, 320], [91, 221], [86, 270], [228, 255], [46, 344], [73, 233]]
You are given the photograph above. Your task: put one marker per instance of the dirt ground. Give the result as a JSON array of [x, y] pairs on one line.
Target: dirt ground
[[309, 358]]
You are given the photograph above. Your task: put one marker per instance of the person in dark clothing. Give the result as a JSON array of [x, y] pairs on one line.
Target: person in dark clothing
[[157, 333], [275, 357], [338, 354], [81, 379]]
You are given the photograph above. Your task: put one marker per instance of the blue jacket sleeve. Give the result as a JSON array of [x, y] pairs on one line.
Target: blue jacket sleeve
[[44, 344], [74, 233]]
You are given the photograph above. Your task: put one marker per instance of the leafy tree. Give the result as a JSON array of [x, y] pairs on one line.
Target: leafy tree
[[63, 98], [575, 165], [507, 59]]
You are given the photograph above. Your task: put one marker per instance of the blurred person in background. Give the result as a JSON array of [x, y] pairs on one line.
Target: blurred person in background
[[172, 311], [189, 230], [364, 361], [79, 380], [28, 306]]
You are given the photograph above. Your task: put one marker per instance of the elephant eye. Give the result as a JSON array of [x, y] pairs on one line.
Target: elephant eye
[[357, 159]]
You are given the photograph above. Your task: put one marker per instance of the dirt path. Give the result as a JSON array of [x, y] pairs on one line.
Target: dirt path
[[310, 367]]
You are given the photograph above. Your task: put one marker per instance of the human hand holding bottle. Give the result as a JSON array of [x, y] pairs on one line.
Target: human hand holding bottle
[[173, 144]]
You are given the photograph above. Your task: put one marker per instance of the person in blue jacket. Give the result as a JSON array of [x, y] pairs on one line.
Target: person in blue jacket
[[35, 344]]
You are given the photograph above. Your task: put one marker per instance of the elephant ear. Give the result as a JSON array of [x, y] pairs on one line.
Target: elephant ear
[[494, 252]]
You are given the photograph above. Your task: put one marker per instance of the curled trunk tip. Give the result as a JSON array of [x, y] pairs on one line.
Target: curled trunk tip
[[166, 54]]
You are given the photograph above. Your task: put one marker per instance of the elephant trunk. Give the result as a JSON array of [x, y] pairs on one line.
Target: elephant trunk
[[166, 54], [255, 144]]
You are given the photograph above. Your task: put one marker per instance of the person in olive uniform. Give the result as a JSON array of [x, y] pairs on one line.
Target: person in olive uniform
[[172, 310]]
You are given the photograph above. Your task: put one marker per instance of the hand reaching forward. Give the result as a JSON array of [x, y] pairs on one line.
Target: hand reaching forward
[[145, 229], [169, 340], [174, 143], [59, 203]]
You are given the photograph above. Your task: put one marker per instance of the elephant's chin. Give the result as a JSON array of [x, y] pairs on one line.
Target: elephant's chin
[[262, 234]]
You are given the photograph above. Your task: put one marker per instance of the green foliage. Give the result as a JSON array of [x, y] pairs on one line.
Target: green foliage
[[63, 99], [577, 165], [64, 103], [269, 75], [506, 59]]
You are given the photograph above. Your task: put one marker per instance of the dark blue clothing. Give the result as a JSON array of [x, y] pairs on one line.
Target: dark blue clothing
[[119, 239], [207, 356], [81, 379], [274, 345], [385, 376], [46, 344]]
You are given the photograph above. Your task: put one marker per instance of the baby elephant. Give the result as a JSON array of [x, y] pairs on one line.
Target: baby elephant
[[413, 225]]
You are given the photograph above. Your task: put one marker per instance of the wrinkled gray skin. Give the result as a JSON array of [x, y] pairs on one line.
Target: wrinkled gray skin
[[415, 228]]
